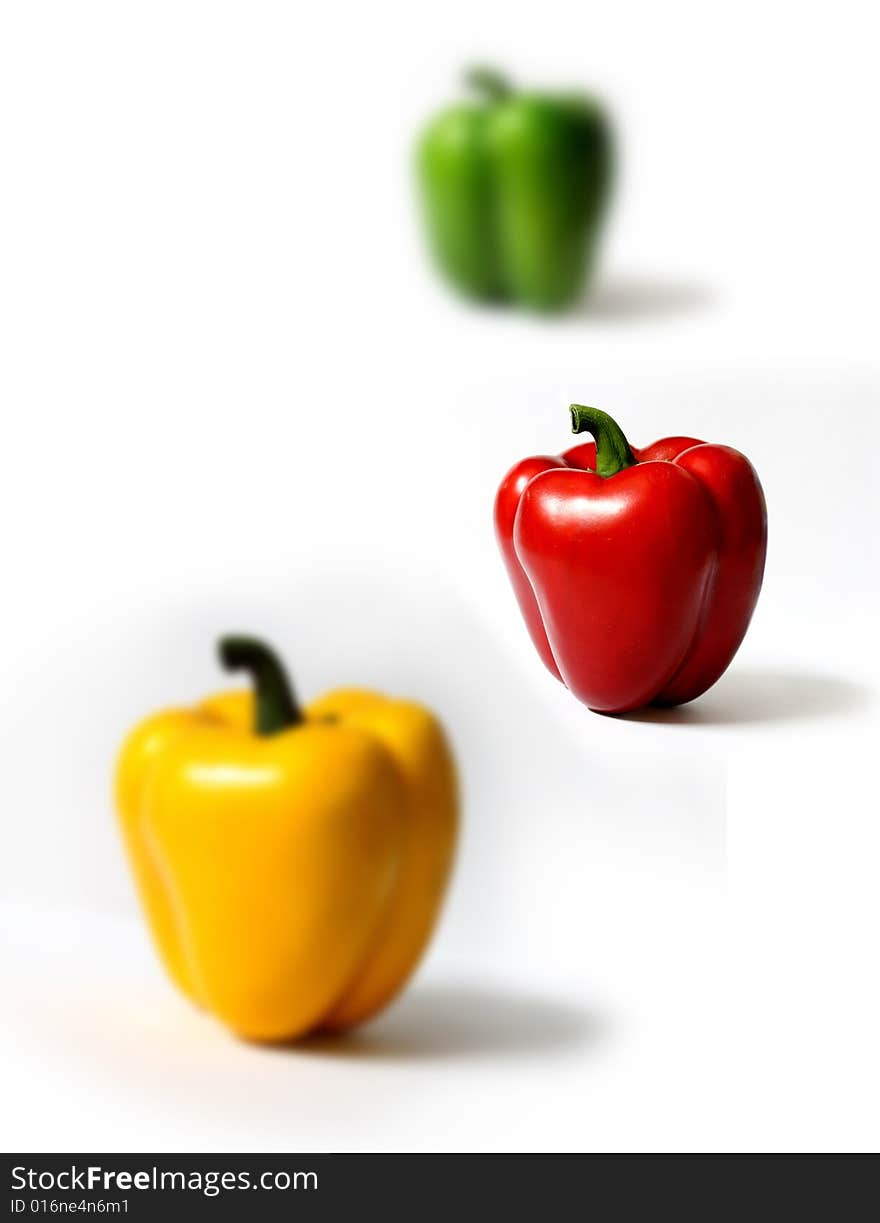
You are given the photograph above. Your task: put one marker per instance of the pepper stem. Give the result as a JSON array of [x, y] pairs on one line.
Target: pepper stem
[[275, 706], [493, 85], [613, 451]]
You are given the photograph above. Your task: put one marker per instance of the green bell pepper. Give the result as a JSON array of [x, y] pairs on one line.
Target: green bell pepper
[[514, 188]]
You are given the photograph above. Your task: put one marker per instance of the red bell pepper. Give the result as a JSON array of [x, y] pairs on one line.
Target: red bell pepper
[[637, 571]]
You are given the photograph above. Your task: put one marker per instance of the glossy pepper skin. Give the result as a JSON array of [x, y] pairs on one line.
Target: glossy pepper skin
[[637, 571], [514, 188], [291, 863]]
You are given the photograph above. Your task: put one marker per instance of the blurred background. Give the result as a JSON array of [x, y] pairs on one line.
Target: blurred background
[[236, 396]]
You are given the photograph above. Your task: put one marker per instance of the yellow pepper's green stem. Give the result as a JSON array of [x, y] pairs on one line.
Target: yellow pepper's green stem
[[275, 706]]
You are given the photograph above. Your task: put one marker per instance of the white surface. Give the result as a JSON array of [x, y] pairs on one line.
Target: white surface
[[235, 398]]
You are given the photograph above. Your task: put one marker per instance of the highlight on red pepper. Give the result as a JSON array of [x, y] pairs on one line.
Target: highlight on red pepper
[[637, 571]]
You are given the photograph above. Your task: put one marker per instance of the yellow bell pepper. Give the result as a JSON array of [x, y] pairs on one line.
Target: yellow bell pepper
[[291, 863]]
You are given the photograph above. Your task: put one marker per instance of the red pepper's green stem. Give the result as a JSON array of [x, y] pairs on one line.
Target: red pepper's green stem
[[613, 452], [275, 706], [488, 82]]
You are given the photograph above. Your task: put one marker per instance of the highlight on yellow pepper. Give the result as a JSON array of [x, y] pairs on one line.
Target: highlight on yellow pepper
[[291, 862]]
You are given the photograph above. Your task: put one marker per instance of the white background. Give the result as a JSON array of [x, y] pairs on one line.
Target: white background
[[234, 397]]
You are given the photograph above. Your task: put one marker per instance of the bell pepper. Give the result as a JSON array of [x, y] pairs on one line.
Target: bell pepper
[[514, 188], [637, 571], [291, 863]]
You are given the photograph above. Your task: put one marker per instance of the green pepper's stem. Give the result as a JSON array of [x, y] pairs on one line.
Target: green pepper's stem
[[613, 452], [493, 85], [275, 706]]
